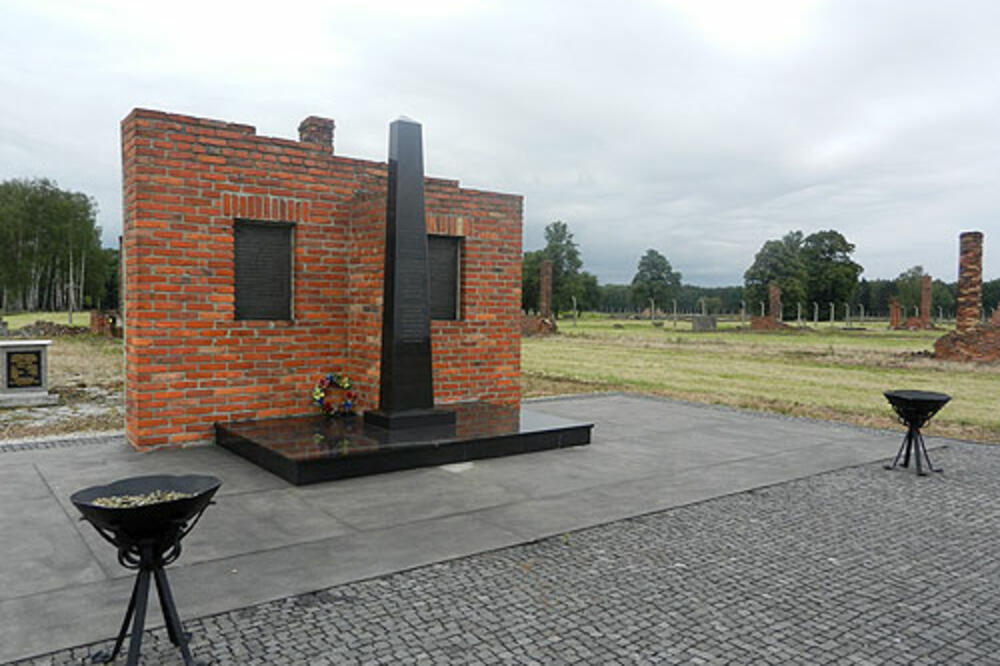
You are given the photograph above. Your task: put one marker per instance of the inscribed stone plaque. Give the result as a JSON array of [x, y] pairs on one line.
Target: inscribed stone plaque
[[24, 369], [442, 254], [263, 268]]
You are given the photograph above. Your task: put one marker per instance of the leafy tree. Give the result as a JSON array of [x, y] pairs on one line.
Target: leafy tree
[[717, 299], [908, 286], [991, 296], [656, 279], [943, 297], [778, 261], [615, 298], [875, 295], [831, 274], [50, 252], [590, 292], [531, 265], [564, 254]]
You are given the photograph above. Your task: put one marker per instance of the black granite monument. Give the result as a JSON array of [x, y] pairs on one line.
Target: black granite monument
[[406, 391], [407, 430]]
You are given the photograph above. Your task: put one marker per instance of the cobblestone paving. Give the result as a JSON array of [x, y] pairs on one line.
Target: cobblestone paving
[[859, 566]]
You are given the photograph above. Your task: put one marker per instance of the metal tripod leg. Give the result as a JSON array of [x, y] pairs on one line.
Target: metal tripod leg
[[104, 656], [174, 628], [909, 446], [905, 446], [921, 446], [139, 622]]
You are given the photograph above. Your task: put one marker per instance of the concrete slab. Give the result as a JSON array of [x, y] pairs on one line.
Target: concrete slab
[[265, 539]]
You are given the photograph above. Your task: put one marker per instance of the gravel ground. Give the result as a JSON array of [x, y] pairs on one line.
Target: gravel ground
[[859, 566]]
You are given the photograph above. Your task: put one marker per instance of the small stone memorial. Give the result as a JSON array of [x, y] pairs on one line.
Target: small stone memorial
[[703, 323], [24, 374]]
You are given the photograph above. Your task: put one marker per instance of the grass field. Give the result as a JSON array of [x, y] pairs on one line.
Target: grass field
[[827, 373], [22, 319]]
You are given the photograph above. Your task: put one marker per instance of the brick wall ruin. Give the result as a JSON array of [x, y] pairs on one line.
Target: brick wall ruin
[[190, 362], [972, 340]]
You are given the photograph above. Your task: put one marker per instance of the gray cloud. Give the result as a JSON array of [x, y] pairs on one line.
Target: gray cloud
[[700, 129]]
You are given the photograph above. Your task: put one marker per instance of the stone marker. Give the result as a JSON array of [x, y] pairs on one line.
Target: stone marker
[[24, 370], [406, 392], [703, 323]]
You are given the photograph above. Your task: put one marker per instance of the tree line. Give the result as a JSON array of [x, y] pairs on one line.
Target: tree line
[[814, 269], [50, 250]]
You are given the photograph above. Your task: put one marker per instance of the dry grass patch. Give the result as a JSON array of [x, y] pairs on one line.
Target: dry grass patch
[[86, 372], [829, 376]]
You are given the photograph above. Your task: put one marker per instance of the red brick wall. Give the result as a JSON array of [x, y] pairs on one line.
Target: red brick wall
[[189, 363]]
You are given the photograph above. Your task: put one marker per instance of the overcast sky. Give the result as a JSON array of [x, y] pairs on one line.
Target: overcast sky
[[701, 128]]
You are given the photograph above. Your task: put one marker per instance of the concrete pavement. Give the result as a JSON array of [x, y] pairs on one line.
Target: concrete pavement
[[265, 539]]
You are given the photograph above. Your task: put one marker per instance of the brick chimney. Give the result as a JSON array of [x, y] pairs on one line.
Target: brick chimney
[[925, 301], [970, 281], [774, 301], [317, 132], [545, 289]]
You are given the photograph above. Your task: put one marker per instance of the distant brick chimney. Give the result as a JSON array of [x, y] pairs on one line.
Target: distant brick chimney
[[925, 301], [545, 289], [970, 281], [317, 132], [774, 301]]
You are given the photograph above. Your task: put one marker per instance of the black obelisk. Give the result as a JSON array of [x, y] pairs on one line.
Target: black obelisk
[[406, 392]]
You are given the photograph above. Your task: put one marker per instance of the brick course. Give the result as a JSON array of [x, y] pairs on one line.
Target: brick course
[[189, 363]]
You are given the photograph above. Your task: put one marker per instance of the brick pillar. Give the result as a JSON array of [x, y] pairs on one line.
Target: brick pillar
[[925, 301], [893, 313], [318, 132], [970, 281], [545, 289], [774, 301]]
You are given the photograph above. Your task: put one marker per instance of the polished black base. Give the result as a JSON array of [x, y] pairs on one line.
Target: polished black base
[[310, 449], [410, 418]]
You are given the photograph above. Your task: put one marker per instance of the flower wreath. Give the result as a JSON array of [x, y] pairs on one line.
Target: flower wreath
[[324, 394]]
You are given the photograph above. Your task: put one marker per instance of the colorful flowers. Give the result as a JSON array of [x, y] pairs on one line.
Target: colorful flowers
[[333, 395]]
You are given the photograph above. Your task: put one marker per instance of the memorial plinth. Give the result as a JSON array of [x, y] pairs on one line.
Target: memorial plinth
[[310, 449], [24, 374]]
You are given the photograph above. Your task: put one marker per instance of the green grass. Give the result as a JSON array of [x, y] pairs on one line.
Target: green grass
[[15, 321], [824, 373]]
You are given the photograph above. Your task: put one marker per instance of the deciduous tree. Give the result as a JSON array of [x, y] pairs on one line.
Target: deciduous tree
[[656, 279]]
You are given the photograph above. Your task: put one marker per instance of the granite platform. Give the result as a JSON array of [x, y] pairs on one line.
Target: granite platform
[[311, 449]]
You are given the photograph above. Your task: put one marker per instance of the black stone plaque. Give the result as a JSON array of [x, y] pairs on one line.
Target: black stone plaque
[[263, 269], [406, 392], [24, 369], [443, 259]]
